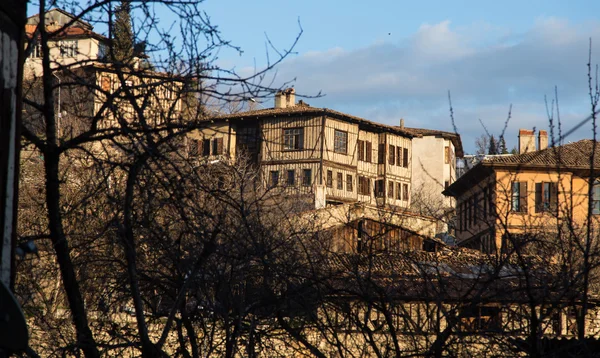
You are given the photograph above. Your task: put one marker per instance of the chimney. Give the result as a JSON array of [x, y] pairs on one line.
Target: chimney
[[526, 141], [285, 98], [401, 122], [279, 100], [542, 140]]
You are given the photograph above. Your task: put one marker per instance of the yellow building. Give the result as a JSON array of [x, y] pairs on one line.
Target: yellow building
[[533, 193]]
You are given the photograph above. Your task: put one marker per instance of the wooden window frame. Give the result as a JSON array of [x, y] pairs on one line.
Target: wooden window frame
[[340, 141], [392, 154], [293, 138], [518, 198], [329, 179], [349, 179], [290, 177], [307, 177], [340, 181], [546, 197]]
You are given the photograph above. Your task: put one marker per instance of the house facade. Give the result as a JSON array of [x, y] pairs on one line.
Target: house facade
[[433, 169], [538, 192], [332, 156], [72, 43]]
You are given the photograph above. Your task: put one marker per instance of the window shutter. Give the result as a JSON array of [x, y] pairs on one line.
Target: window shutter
[[361, 150], [301, 139], [399, 156], [523, 196], [220, 146], [392, 152], [369, 151], [539, 197], [405, 158], [553, 197], [381, 154]]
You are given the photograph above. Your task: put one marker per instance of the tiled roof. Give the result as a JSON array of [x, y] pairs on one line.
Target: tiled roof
[[454, 137], [575, 155], [301, 109], [72, 31]]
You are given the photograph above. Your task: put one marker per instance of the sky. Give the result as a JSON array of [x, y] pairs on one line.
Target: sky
[[386, 60]]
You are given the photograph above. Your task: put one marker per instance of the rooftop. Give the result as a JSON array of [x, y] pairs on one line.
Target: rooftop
[[303, 108], [571, 156], [454, 137]]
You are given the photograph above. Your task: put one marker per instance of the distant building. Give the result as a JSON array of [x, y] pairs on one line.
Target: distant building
[[76, 44], [532, 193], [435, 155], [329, 156]]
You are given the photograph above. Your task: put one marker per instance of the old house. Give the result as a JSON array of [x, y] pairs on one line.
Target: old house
[[328, 156], [74, 44], [533, 193]]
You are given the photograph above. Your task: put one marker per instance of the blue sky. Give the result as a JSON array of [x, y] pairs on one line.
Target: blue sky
[[386, 60]]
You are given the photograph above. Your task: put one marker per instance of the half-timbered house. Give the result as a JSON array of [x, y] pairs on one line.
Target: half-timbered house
[[332, 156]]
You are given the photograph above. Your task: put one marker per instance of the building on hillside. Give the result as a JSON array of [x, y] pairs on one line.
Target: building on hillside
[[328, 156], [533, 193], [93, 93], [72, 42], [434, 154]]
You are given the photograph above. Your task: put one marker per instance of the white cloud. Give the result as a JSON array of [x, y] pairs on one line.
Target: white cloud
[[486, 68]]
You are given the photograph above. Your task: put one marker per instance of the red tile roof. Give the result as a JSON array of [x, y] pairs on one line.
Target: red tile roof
[[69, 32], [575, 155]]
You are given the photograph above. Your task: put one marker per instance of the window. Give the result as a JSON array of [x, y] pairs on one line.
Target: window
[[399, 156], [446, 184], [596, 198], [329, 179], [381, 154], [217, 146], [380, 188], [485, 203], [369, 149], [399, 191], [405, 192], [405, 157], [340, 142], [519, 197], [340, 181], [475, 207], [274, 179], [481, 319], [291, 178], [349, 182], [36, 52], [546, 197], [307, 177], [447, 155], [491, 199], [364, 186], [68, 48], [390, 189], [206, 147], [293, 138], [392, 154], [361, 150], [194, 147]]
